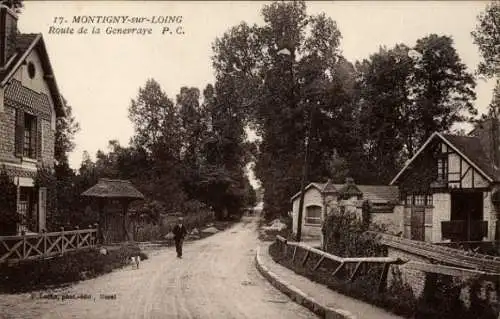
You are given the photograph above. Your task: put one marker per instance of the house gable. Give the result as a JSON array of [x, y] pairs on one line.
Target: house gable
[[440, 163], [32, 56], [316, 186], [29, 89]]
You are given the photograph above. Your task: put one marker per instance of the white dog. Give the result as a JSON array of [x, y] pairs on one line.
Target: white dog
[[135, 261]]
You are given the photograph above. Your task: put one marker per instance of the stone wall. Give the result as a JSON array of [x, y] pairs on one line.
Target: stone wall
[[445, 263], [414, 278]]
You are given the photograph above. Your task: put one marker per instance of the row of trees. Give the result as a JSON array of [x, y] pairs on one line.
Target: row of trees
[[184, 155], [362, 119], [288, 81]]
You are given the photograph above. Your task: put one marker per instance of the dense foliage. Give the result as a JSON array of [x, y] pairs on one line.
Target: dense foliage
[[487, 37], [8, 215], [290, 81], [71, 267]]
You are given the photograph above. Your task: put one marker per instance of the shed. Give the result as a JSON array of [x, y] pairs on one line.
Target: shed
[[113, 189]]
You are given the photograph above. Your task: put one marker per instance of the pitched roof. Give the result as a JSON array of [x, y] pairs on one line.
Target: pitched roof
[[468, 147], [25, 44], [113, 188], [471, 147], [373, 193], [379, 193], [318, 186]]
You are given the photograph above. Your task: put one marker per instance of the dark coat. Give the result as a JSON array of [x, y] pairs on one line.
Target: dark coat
[[179, 232]]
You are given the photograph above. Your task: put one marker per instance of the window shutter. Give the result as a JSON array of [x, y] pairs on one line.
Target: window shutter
[[39, 138], [34, 138], [19, 138]]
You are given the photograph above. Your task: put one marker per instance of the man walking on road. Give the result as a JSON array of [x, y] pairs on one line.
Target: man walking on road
[[179, 232]]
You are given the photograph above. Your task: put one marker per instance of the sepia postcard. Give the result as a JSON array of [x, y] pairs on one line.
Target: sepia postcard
[[249, 159]]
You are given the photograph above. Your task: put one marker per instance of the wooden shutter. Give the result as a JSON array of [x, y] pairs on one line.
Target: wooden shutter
[[42, 208], [19, 138], [34, 138], [39, 138]]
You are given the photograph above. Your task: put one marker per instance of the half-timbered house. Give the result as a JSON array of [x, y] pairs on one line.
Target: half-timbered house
[[450, 187]]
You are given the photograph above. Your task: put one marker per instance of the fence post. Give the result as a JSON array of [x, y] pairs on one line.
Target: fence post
[[44, 234], [98, 233], [62, 240], [77, 237], [383, 278], [23, 233]]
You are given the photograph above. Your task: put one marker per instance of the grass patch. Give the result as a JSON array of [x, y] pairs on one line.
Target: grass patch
[[71, 267]]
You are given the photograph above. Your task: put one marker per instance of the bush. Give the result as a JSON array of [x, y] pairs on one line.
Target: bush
[[8, 210], [71, 267], [345, 235]]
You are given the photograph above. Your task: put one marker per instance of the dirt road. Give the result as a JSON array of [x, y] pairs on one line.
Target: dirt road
[[215, 279]]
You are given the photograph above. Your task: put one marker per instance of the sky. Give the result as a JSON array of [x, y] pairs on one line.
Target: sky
[[99, 74]]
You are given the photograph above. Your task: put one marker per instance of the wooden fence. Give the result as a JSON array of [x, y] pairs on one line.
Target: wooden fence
[[26, 247], [341, 262], [443, 255]]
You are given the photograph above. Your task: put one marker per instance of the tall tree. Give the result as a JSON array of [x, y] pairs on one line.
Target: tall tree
[[158, 134], [442, 90], [285, 81], [487, 37], [384, 106], [156, 121]]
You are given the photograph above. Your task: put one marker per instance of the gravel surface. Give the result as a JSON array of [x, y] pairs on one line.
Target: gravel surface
[[216, 278]]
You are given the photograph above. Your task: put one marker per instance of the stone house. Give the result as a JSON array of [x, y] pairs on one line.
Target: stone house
[[320, 198], [30, 104], [450, 187]]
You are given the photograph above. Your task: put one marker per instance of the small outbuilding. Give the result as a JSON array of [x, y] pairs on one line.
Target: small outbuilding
[[107, 190]]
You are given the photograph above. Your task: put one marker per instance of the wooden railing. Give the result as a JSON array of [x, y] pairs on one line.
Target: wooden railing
[[341, 262], [443, 255], [25, 247]]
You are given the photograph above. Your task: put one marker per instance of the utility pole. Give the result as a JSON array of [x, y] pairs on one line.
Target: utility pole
[[303, 181], [291, 55]]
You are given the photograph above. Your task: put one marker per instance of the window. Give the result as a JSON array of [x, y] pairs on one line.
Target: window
[[31, 70], [442, 166], [419, 200], [428, 200], [409, 200], [313, 215], [29, 135]]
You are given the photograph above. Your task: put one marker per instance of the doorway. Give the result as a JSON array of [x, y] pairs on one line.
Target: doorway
[[418, 223], [467, 213]]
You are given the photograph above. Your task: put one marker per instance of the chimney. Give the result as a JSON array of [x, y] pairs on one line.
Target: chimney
[[8, 32]]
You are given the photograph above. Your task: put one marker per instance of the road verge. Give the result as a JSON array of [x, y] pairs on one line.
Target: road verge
[[296, 294]]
